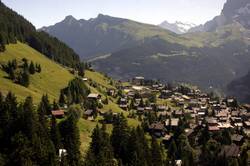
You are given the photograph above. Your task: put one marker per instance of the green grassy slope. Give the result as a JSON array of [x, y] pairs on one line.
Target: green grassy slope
[[85, 126], [51, 80]]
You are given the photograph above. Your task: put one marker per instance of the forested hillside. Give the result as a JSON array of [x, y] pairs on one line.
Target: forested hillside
[[14, 27]]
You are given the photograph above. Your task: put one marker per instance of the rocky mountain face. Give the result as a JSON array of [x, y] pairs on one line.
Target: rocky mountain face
[[240, 88], [177, 27], [233, 11]]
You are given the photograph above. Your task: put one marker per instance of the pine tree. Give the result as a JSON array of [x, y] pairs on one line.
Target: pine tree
[[12, 74], [172, 150], [24, 79], [25, 64], [71, 139], [32, 69], [55, 134], [46, 104], [41, 114], [119, 137], [55, 105], [100, 150], [38, 68], [81, 70], [62, 100], [22, 154], [157, 159]]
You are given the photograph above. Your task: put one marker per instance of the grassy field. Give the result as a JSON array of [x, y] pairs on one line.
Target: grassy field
[[99, 78], [51, 80]]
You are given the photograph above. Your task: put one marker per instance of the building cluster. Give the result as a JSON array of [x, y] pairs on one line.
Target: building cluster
[[201, 110]]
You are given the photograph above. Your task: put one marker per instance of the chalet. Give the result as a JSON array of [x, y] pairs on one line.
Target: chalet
[[178, 113], [157, 129], [237, 139], [230, 151], [224, 125], [123, 106], [94, 96], [123, 101], [222, 116], [88, 114], [173, 123], [131, 94], [165, 94], [247, 107], [247, 124], [201, 113], [161, 108], [148, 109], [245, 115], [140, 110], [235, 113], [62, 153], [85, 79], [111, 92], [189, 133], [213, 128], [178, 162], [186, 98], [58, 113], [138, 81], [166, 139], [212, 125], [231, 102], [193, 103], [216, 107], [163, 114], [236, 121]]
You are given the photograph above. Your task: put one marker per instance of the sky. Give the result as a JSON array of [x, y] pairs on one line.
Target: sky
[[48, 12]]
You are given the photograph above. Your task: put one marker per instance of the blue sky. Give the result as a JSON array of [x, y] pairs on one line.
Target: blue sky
[[47, 12]]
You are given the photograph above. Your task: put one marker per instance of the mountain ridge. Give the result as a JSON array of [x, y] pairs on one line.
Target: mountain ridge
[[106, 34]]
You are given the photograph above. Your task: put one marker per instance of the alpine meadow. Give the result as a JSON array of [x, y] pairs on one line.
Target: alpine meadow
[[133, 83]]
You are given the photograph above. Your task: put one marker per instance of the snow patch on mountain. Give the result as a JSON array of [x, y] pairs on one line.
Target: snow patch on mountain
[[177, 27]]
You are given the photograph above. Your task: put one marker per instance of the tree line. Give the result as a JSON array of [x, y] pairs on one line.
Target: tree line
[[19, 72], [125, 146], [28, 136]]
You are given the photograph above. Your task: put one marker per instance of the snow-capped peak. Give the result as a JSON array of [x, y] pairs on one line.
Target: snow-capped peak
[[177, 27]]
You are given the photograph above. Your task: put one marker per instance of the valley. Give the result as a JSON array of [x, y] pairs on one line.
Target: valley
[[110, 91]]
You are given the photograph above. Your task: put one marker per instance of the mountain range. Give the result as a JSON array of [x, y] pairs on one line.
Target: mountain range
[[105, 34], [210, 55], [177, 27]]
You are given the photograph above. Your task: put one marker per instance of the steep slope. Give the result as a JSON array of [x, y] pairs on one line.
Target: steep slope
[[106, 34], [240, 88], [51, 80], [233, 11], [14, 27], [177, 27]]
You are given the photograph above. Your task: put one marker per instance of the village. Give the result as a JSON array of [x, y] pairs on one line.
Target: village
[[164, 109]]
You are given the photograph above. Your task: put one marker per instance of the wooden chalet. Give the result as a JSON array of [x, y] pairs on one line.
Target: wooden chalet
[[58, 113]]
